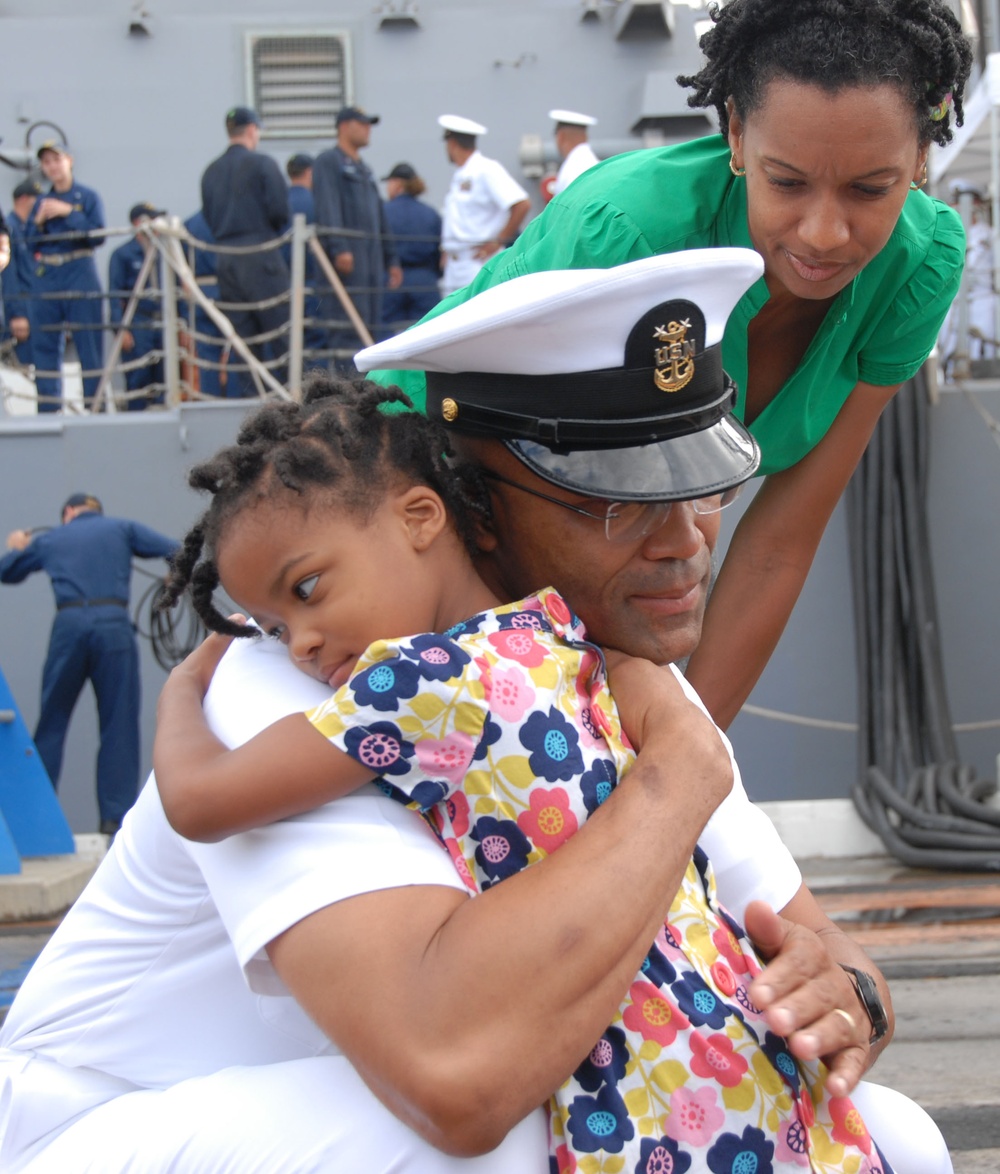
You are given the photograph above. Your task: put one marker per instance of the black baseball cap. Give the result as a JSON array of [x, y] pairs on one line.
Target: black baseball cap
[[150, 210], [355, 114], [298, 164], [78, 499], [239, 116], [52, 145], [27, 187], [401, 171]]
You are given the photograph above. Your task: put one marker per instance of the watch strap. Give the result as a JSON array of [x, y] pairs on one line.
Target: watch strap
[[870, 1000]]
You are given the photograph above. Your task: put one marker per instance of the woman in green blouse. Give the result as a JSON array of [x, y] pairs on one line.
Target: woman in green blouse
[[827, 110]]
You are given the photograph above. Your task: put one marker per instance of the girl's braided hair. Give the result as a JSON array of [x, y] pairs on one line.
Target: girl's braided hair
[[340, 439], [916, 45]]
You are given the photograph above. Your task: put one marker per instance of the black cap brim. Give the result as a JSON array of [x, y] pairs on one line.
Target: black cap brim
[[699, 464]]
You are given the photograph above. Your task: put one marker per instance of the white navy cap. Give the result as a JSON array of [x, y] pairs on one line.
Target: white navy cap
[[460, 125], [608, 382], [572, 118]]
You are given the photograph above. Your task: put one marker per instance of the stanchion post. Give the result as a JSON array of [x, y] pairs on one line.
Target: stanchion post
[[171, 348], [296, 321]]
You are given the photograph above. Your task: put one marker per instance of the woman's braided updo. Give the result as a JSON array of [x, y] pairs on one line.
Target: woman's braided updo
[[339, 442], [916, 45]]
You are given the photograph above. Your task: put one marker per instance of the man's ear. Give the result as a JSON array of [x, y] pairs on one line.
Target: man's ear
[[423, 514]]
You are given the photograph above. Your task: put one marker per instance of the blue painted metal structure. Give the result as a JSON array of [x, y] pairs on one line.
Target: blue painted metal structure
[[31, 820]]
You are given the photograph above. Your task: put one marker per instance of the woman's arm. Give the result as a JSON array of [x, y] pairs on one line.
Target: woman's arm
[[210, 792], [770, 556]]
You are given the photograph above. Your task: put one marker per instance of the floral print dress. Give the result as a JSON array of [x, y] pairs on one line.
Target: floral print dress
[[503, 732]]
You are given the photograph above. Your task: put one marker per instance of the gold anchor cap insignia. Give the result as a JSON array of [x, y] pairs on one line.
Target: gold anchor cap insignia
[[449, 410], [674, 359]]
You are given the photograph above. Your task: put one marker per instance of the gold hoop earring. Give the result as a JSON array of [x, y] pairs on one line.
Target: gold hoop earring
[[915, 187], [739, 172]]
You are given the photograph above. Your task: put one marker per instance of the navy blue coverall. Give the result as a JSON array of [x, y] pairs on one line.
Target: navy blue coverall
[[347, 196], [416, 227], [146, 327], [67, 292], [17, 284], [89, 561], [245, 202], [203, 263]]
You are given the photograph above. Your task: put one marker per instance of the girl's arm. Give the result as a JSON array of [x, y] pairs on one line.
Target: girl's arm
[[770, 555], [209, 791]]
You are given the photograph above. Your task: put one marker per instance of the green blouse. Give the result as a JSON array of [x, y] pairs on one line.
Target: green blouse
[[878, 330]]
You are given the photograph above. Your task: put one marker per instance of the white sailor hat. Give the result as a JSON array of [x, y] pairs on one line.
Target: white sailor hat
[[461, 126], [572, 118], [608, 382]]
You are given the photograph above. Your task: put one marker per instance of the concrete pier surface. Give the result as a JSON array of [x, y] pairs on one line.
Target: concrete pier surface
[[936, 936]]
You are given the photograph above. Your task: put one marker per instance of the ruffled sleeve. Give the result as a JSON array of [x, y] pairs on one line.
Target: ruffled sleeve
[[907, 332]]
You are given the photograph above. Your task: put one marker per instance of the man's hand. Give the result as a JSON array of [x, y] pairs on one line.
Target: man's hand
[[128, 340], [20, 328], [808, 998], [486, 250], [50, 208], [18, 539], [344, 264], [395, 278]]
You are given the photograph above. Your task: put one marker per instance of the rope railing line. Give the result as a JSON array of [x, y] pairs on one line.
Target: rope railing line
[[820, 723]]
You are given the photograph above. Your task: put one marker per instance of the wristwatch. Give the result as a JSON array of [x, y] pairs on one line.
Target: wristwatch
[[871, 1000]]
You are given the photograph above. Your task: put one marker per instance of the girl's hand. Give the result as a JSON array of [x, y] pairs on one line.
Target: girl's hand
[[199, 667]]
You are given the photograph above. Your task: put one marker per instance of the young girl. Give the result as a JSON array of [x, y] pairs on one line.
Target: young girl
[[343, 530]]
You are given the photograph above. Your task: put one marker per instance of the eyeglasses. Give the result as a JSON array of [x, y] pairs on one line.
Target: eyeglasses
[[625, 521]]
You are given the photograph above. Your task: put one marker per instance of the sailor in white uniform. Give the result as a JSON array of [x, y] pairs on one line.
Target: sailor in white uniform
[[571, 142], [484, 208]]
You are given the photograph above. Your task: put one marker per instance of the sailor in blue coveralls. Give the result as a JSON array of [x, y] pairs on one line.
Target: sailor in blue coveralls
[[66, 285], [203, 265], [18, 277], [300, 199], [144, 335], [417, 229], [89, 561], [347, 196], [245, 201]]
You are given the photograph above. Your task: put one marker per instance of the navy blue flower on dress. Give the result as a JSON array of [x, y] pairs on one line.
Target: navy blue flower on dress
[[699, 1002], [606, 1062], [598, 783], [657, 968], [554, 745], [776, 1050], [600, 1123], [749, 1154], [662, 1157], [425, 794], [503, 848], [524, 619], [438, 658], [385, 684], [380, 746], [492, 733]]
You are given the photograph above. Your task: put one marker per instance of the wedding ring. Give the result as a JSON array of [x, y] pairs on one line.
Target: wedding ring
[[846, 1015]]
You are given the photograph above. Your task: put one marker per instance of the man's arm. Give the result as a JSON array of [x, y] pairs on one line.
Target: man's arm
[[509, 231], [534, 968]]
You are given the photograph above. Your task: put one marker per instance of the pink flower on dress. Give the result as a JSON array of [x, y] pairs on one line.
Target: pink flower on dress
[[727, 944], [695, 1116], [716, 1058], [509, 693], [460, 863], [669, 940], [448, 758], [652, 1015], [548, 821], [848, 1128], [565, 1161], [519, 644], [793, 1143], [458, 812]]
